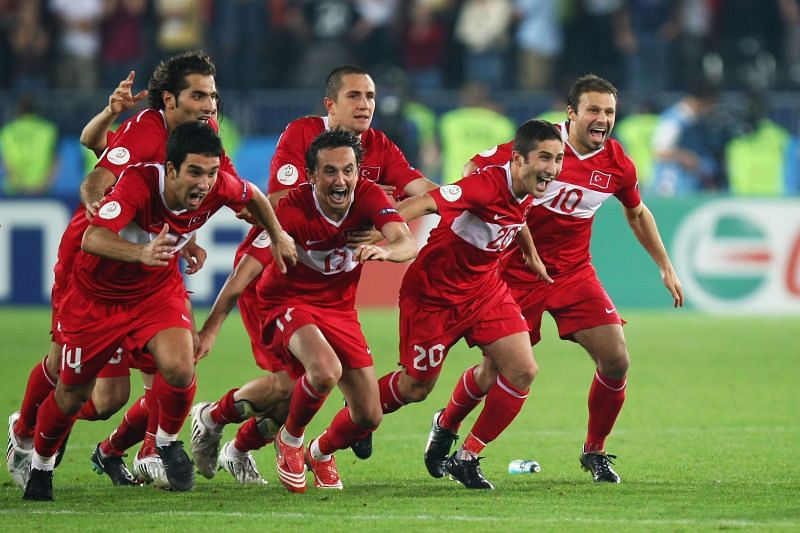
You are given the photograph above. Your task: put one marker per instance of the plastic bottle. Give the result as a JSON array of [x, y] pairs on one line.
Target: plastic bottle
[[523, 466]]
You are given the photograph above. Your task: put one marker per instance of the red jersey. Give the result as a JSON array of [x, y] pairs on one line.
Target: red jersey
[[326, 274], [135, 210], [480, 217], [140, 139], [382, 163], [561, 221]]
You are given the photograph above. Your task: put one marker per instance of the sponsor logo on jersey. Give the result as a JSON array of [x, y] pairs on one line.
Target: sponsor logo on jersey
[[387, 211], [119, 155], [110, 211], [601, 180], [489, 153], [262, 241], [451, 193], [287, 174], [369, 173]]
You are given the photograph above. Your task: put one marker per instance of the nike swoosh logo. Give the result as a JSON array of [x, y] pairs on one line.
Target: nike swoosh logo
[[311, 243], [609, 311], [186, 319], [498, 217]]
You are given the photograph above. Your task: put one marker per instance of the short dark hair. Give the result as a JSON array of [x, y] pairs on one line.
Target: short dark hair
[[589, 83], [531, 133], [192, 137], [333, 83], [327, 140], [170, 75]]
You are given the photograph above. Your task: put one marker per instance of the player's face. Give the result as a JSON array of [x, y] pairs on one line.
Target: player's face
[[335, 179], [354, 105], [592, 122], [540, 166], [188, 186], [198, 101]]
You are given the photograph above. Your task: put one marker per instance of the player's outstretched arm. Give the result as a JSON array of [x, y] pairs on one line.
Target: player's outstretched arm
[[643, 224], [416, 206], [282, 247], [122, 99], [105, 243], [532, 259], [246, 271], [400, 246]]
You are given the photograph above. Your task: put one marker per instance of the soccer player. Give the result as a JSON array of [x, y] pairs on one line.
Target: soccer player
[[181, 89], [350, 102], [310, 321], [452, 290], [595, 168], [126, 287]]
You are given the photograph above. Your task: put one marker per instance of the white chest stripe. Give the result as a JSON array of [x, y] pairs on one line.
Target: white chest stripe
[[483, 235], [572, 200], [133, 233], [327, 262]]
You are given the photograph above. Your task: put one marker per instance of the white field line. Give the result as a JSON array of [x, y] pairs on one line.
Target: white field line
[[419, 518]]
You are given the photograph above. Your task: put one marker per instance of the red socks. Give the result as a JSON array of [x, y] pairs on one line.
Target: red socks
[[52, 427], [466, 396], [342, 433], [224, 411], [391, 399], [503, 404], [40, 384], [174, 403], [303, 406], [606, 397], [129, 432]]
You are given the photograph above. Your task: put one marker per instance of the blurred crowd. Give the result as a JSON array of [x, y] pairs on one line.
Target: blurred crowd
[[715, 60], [645, 45]]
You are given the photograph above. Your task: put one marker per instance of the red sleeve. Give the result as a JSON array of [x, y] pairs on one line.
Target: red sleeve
[[235, 192], [377, 206], [399, 171], [140, 139], [628, 192], [287, 169], [258, 246], [497, 155], [120, 206], [470, 192]]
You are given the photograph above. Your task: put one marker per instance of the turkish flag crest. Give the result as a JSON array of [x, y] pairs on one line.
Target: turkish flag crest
[[370, 173], [601, 180]]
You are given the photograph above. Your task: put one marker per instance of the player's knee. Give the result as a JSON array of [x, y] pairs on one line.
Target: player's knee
[[417, 391], [615, 367], [110, 403], [367, 420], [178, 375], [282, 386], [324, 379], [522, 376]]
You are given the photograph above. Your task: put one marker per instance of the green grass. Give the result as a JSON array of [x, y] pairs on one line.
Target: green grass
[[708, 440]]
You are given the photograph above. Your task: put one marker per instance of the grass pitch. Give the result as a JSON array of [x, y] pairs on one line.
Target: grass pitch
[[708, 440]]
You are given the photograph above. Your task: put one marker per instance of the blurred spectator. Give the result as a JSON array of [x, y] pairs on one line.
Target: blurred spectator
[[474, 127], [28, 151], [78, 47], [423, 45], [589, 37], [241, 31], [646, 31], [685, 161], [375, 32], [692, 48], [180, 26], [539, 42], [324, 28], [755, 158], [790, 11], [750, 38], [124, 39], [483, 28], [635, 132], [30, 47]]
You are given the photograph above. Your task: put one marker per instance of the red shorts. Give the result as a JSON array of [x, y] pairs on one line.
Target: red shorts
[[339, 327], [576, 301], [251, 318], [94, 331], [427, 333]]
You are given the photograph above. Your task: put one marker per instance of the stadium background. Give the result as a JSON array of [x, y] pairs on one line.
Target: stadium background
[[736, 254]]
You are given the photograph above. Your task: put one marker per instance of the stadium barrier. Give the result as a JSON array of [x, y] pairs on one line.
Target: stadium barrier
[[734, 256]]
